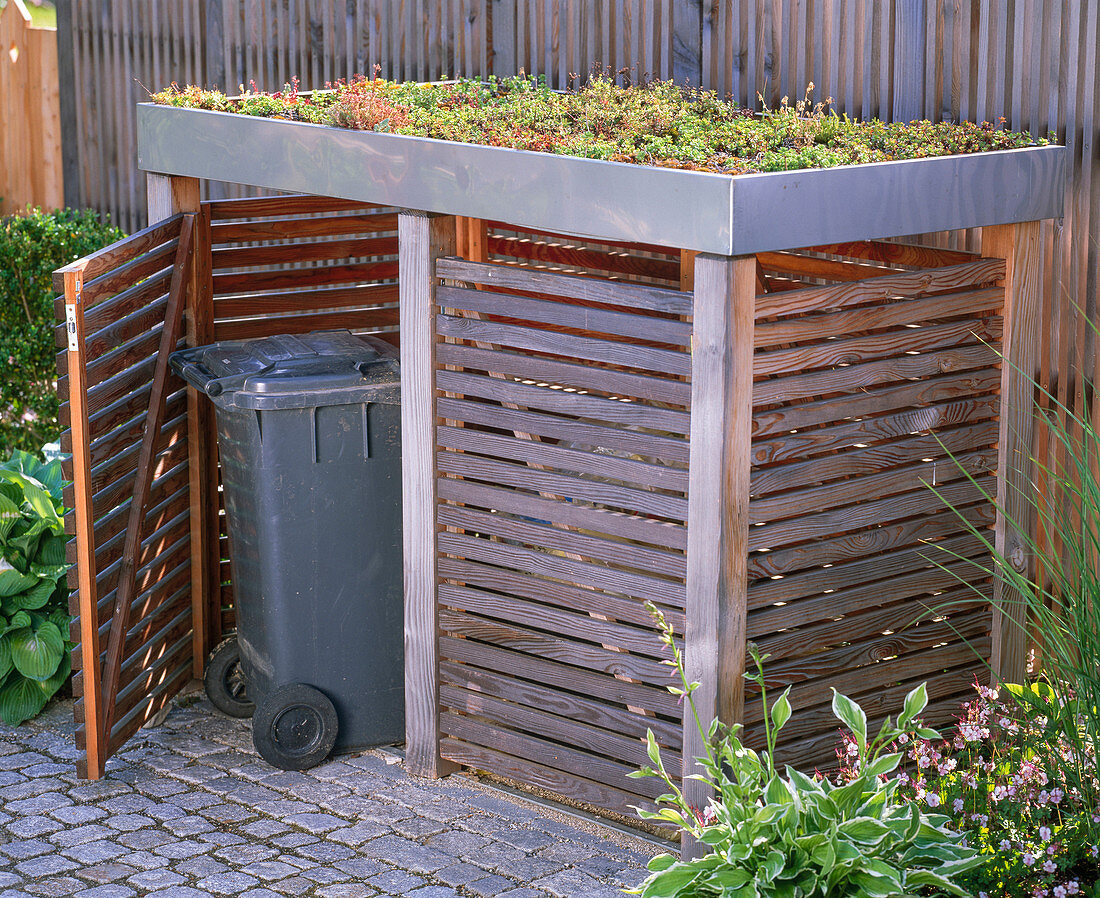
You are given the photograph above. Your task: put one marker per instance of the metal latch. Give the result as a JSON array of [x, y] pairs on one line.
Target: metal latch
[[70, 326]]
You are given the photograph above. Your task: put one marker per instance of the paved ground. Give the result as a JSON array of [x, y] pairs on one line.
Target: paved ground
[[188, 809]]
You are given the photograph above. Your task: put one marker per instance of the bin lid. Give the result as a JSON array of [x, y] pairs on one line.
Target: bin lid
[[293, 371]]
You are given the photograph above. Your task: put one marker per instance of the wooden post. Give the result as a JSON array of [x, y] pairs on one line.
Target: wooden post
[[167, 196], [718, 500], [502, 38], [95, 749], [422, 238], [66, 74], [1020, 246]]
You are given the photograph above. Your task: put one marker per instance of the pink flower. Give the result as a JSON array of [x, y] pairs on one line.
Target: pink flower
[[1056, 795], [1028, 859], [1044, 833], [933, 800], [958, 805], [1049, 866]]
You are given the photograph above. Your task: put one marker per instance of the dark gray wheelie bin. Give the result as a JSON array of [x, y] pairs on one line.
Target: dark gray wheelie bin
[[310, 444]]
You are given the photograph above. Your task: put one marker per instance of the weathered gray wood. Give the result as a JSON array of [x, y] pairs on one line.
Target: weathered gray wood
[[423, 239], [687, 42], [718, 499], [909, 59], [66, 73], [503, 37]]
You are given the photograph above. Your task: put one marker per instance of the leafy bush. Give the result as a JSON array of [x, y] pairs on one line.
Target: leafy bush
[[34, 614], [1034, 827], [795, 836], [31, 247]]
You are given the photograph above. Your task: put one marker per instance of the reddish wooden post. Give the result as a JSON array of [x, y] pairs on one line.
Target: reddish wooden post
[[95, 750], [422, 239], [169, 195], [718, 500], [1019, 245]]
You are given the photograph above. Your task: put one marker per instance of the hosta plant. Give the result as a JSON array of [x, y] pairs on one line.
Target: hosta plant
[[34, 616], [788, 835]]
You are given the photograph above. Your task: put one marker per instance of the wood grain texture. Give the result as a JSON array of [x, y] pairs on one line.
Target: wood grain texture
[[721, 428], [1020, 247], [86, 653], [423, 239]]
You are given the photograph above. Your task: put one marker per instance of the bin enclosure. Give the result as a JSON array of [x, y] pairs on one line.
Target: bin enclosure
[[747, 441]]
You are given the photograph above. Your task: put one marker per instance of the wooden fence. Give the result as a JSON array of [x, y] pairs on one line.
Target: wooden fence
[[30, 133]]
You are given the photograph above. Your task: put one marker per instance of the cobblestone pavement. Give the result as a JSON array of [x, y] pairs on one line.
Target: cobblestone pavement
[[188, 809]]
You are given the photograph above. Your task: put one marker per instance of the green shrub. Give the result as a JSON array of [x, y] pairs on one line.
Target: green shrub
[[31, 247], [34, 613], [772, 835]]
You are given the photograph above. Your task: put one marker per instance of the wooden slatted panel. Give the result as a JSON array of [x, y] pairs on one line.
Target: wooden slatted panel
[[562, 502], [294, 264], [867, 393], [125, 299]]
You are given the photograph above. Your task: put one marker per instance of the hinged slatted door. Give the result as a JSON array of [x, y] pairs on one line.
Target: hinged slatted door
[[126, 437]]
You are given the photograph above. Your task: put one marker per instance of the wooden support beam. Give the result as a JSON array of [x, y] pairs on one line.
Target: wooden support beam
[[1021, 248], [422, 239], [95, 747], [718, 500], [169, 195]]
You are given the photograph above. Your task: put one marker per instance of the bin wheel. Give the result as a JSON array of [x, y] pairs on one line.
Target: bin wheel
[[294, 727], [224, 680]]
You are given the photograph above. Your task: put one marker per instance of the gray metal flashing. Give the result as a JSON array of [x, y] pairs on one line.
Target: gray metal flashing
[[706, 212]]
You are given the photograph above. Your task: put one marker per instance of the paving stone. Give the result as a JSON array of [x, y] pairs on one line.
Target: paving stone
[[195, 801], [143, 860], [55, 886], [80, 834], [406, 854], [227, 883], [295, 885], [8, 879], [433, 892], [458, 843], [489, 886], [128, 823], [324, 875], [32, 827], [23, 787], [570, 883], [599, 866], [40, 804], [21, 759], [325, 852], [203, 865], [144, 839], [105, 873], [178, 892], [459, 874], [161, 787], [523, 892], [44, 865], [98, 790], [417, 827], [21, 849], [223, 839], [227, 813], [181, 850], [362, 867], [263, 829], [239, 855], [396, 882], [526, 839], [112, 890], [189, 826], [345, 890], [293, 840], [95, 852], [260, 893], [76, 815], [131, 803], [47, 768], [359, 833], [315, 823], [270, 870]]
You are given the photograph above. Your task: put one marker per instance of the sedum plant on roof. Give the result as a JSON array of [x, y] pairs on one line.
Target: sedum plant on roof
[[650, 123]]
